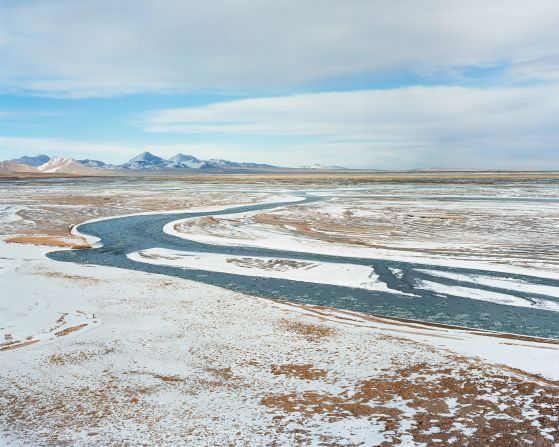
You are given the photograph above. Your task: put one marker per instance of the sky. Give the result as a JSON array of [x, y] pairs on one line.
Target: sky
[[392, 84]]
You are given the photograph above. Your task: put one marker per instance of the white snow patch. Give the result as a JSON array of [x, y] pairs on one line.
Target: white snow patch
[[484, 295], [349, 275], [504, 283]]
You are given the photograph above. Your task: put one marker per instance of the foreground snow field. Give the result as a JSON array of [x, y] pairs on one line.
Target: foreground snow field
[[165, 361], [102, 356]]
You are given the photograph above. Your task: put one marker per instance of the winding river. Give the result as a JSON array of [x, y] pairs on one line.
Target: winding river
[[123, 235]]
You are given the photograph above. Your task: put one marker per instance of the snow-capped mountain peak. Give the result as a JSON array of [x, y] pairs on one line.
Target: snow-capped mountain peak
[[62, 165], [146, 157], [183, 157], [96, 164], [186, 161], [146, 160], [35, 161]]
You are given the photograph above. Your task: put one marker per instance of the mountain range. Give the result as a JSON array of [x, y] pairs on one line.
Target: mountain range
[[146, 161], [53, 165]]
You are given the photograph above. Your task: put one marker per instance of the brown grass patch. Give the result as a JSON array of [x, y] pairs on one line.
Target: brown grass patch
[[98, 201], [70, 277], [499, 410], [76, 357], [222, 373], [166, 378], [312, 332], [49, 241], [18, 345], [310, 403], [38, 416], [220, 378], [304, 371], [207, 220], [69, 330], [352, 177]]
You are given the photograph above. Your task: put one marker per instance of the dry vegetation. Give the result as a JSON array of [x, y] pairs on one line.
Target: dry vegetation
[[16, 345], [305, 371], [306, 177], [448, 403], [312, 332], [449, 400], [521, 234], [44, 213], [353, 177], [191, 360], [69, 330], [76, 243], [73, 278]]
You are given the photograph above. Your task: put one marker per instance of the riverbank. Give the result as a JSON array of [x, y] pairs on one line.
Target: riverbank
[[518, 303]]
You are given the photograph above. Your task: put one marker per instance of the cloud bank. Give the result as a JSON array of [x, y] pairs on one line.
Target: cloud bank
[[472, 83], [413, 126], [90, 48]]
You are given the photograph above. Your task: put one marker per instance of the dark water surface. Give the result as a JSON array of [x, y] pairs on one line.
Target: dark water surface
[[121, 236]]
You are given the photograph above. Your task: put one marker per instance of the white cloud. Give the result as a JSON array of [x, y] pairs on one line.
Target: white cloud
[[64, 47], [405, 127], [18, 146], [505, 128]]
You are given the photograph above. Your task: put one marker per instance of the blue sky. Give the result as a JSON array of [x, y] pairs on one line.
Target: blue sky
[[395, 84]]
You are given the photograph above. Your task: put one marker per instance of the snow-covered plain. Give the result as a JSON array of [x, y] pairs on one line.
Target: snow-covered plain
[[277, 232], [246, 229], [101, 356]]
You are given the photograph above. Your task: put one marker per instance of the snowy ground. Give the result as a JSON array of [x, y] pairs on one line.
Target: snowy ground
[[101, 356], [349, 275], [42, 211], [507, 227]]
